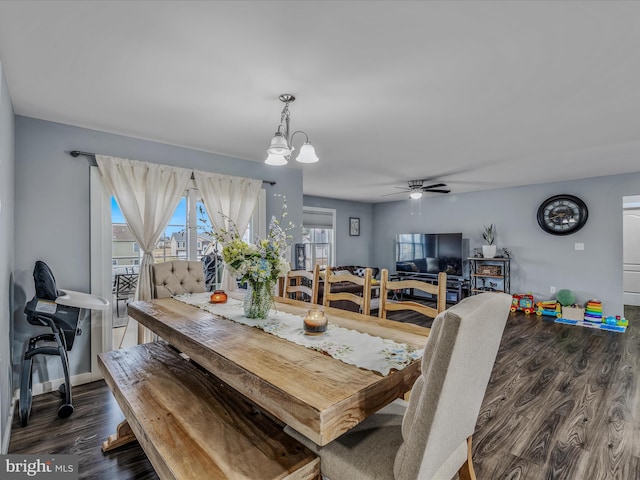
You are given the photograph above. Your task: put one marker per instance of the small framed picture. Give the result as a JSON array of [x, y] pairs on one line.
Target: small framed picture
[[354, 226]]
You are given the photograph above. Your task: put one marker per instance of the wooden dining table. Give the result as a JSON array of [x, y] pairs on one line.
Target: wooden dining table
[[317, 395]]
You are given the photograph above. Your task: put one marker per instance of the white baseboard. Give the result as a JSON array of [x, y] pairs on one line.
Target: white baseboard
[[6, 435], [52, 385]]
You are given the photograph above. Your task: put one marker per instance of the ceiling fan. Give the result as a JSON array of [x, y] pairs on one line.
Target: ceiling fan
[[417, 187]]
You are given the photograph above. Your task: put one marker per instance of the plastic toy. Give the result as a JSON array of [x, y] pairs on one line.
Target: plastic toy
[[593, 318], [593, 311], [522, 302], [617, 320], [550, 308], [565, 297]]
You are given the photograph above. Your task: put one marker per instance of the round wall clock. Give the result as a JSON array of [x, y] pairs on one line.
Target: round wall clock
[[562, 214]]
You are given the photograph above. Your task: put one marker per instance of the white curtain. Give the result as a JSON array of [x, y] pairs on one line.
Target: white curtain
[[228, 198], [147, 194]]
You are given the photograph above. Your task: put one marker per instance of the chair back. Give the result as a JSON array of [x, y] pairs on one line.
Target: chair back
[[445, 400], [363, 300], [125, 285], [438, 289], [212, 266], [293, 284], [176, 277]]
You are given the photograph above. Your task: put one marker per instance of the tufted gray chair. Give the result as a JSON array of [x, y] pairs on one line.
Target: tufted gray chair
[[428, 438], [176, 277]]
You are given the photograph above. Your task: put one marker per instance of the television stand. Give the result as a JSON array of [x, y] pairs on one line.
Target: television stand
[[457, 287]]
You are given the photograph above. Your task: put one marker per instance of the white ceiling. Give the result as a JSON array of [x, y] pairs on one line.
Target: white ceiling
[[478, 95]]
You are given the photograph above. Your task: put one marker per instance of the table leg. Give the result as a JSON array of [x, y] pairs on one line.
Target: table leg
[[123, 436]]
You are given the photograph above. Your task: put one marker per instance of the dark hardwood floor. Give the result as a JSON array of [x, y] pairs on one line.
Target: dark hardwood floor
[[95, 417], [563, 402]]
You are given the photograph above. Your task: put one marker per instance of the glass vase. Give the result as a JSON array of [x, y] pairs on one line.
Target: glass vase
[[258, 300]]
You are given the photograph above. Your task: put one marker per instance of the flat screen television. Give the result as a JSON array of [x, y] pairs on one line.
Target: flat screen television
[[429, 253]]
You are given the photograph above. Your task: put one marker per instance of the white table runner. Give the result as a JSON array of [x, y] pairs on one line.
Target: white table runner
[[349, 346]]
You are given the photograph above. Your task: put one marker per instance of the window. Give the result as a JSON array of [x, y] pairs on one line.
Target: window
[[318, 228], [185, 237], [108, 232]]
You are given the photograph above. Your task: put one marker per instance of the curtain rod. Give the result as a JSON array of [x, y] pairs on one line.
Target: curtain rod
[[92, 156]]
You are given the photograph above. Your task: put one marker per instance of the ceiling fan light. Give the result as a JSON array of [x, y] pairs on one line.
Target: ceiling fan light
[[279, 145], [277, 160], [307, 154], [415, 195]]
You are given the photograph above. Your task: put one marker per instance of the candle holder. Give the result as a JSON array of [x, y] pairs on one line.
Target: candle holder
[[315, 323], [218, 296]]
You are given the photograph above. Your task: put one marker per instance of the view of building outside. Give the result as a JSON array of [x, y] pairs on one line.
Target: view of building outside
[[173, 245]]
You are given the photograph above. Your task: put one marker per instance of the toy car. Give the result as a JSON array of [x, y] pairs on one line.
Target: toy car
[[522, 302], [549, 307]]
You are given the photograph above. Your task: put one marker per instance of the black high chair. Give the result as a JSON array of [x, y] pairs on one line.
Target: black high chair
[[61, 311]]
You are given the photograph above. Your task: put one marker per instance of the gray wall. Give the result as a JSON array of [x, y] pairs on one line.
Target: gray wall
[[52, 209], [7, 164], [539, 260], [349, 250]]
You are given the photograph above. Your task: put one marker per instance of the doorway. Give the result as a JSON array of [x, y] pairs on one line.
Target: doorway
[[631, 249], [318, 239]]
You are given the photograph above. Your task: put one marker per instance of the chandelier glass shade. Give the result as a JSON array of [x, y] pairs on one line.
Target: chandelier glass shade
[[307, 154], [281, 146], [276, 160]]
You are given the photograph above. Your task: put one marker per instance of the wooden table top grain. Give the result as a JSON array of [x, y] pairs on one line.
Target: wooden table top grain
[[317, 395]]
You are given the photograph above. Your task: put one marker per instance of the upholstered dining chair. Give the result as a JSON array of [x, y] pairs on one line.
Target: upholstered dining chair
[[293, 284], [439, 290], [176, 277], [429, 437], [363, 300]]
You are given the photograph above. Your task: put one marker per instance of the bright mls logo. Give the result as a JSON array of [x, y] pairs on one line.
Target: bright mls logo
[[50, 467]]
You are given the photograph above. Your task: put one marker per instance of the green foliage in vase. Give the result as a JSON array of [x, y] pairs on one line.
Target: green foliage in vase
[[261, 261]]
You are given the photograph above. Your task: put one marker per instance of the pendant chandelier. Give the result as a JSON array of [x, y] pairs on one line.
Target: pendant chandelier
[[281, 147]]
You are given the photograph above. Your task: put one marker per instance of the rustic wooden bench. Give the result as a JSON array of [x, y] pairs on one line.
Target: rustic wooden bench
[[193, 426]]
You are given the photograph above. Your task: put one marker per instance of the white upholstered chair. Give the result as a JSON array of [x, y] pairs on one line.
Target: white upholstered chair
[[176, 277], [428, 438]]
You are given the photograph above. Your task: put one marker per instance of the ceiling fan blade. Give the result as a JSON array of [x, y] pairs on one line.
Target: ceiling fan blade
[[394, 193], [435, 185], [430, 190]]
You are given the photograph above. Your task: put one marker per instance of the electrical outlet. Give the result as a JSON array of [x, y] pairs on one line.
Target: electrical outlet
[[579, 246], [552, 289]]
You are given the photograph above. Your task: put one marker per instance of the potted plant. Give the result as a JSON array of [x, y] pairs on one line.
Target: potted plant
[[489, 235]]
